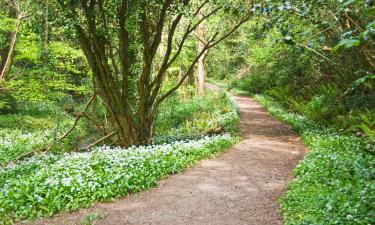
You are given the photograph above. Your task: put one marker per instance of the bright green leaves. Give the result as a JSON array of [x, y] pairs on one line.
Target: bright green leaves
[[7, 24], [334, 183], [48, 184], [358, 40], [365, 81], [347, 3], [371, 25], [347, 43]]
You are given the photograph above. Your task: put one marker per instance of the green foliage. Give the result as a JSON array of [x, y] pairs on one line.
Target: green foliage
[[347, 43], [251, 84], [51, 76], [181, 115], [35, 126], [89, 219], [7, 101], [299, 76], [335, 182], [324, 107], [362, 121], [47, 184], [27, 51]]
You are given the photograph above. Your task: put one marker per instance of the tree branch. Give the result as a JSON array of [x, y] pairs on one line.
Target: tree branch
[[210, 44], [98, 141]]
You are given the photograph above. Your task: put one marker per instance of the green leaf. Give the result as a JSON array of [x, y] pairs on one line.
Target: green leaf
[[347, 43], [371, 25], [347, 3], [369, 12]]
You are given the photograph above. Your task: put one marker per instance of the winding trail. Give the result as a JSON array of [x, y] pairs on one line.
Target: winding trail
[[239, 186]]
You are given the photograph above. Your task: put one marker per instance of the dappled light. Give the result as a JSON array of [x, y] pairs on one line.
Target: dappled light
[[202, 112]]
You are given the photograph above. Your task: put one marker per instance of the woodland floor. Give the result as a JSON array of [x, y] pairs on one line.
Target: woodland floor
[[239, 186]]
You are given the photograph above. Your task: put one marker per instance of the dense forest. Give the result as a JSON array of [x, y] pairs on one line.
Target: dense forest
[[99, 99]]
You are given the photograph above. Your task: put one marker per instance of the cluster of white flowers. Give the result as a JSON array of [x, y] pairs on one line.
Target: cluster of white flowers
[[104, 172], [14, 142]]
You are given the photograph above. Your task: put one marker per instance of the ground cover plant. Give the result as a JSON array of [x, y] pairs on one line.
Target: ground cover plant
[[197, 114], [47, 184], [35, 126], [335, 183], [77, 75]]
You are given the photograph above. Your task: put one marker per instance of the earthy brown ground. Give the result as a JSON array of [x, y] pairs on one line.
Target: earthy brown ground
[[240, 186]]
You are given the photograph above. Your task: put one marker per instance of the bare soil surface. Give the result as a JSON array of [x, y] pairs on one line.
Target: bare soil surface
[[239, 186]]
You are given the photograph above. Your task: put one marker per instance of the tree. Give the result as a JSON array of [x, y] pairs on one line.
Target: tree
[[201, 73], [6, 55], [120, 40]]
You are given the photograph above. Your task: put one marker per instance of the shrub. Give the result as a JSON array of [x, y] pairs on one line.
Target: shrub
[[7, 101], [192, 116], [35, 126], [253, 83], [335, 183]]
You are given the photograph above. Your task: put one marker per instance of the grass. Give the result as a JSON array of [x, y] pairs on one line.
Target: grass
[[335, 183], [89, 219]]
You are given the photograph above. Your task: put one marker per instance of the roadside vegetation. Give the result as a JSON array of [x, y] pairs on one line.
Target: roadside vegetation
[[99, 99], [44, 185], [75, 130], [334, 184], [315, 72], [69, 178]]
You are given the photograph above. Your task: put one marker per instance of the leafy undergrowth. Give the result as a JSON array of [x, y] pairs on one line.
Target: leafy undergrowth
[[226, 84], [183, 116], [37, 125], [335, 183], [194, 115], [47, 184]]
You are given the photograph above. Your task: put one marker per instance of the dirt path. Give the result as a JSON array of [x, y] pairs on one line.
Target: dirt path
[[240, 186]]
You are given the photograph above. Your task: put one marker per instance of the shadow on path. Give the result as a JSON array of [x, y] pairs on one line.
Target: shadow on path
[[240, 186]]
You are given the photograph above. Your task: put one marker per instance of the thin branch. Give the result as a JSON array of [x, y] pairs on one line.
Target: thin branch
[[189, 30], [316, 52], [45, 149], [98, 141], [210, 44], [167, 62], [79, 116]]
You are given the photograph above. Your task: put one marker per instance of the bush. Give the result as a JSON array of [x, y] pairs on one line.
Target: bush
[[255, 84], [193, 115], [335, 183], [7, 101], [323, 107]]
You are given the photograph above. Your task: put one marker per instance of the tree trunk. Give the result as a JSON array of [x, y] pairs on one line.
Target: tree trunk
[[131, 130], [46, 26], [201, 73], [7, 61], [132, 96]]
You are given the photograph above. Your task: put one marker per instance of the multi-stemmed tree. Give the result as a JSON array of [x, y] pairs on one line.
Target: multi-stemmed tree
[[120, 39]]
